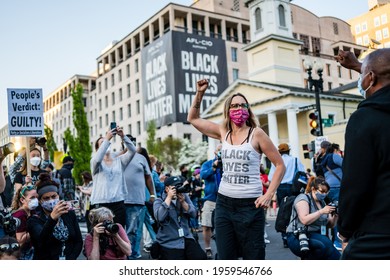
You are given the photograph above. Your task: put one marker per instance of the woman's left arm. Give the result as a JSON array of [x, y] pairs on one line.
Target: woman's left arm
[[266, 146], [122, 241]]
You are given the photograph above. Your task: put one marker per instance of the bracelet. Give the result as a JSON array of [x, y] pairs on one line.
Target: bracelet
[[152, 195]]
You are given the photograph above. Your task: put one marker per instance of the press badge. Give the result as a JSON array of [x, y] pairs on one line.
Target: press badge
[[323, 230], [181, 232]]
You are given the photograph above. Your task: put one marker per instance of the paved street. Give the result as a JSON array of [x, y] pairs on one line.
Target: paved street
[[274, 250]]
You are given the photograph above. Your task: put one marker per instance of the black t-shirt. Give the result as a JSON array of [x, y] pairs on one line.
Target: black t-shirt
[[19, 178]]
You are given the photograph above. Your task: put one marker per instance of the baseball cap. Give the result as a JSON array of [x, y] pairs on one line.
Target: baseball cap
[[67, 158], [325, 144], [173, 181], [283, 147]]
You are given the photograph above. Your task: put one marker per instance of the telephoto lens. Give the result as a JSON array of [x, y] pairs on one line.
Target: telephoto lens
[[111, 227], [303, 241]]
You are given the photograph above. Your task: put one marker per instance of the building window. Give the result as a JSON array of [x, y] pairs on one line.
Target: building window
[[316, 44], [129, 128], [106, 101], [136, 66], [357, 29], [106, 119], [187, 136], [377, 21], [335, 28], [235, 74], [350, 74], [113, 116], [339, 71], [113, 98], [120, 94], [329, 85], [112, 79], [236, 5], [234, 54], [359, 41], [138, 107], [328, 69], [306, 43], [121, 114], [100, 122], [129, 110], [100, 87], [378, 35], [366, 40], [364, 26], [137, 86], [120, 75], [138, 128], [259, 24], [105, 83], [100, 104], [282, 16], [128, 70], [385, 32], [384, 18], [128, 91]]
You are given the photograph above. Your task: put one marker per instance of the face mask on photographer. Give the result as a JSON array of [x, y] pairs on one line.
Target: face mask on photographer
[[49, 204], [321, 196], [35, 161]]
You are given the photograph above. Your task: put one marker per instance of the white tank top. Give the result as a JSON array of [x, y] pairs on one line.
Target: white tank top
[[241, 170]]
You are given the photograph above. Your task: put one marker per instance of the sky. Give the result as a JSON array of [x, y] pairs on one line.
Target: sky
[[46, 42]]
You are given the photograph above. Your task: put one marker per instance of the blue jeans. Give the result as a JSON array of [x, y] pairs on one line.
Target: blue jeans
[[321, 248], [239, 229], [135, 215], [148, 223], [2, 233]]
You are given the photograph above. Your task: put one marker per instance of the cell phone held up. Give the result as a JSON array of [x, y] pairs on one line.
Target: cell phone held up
[[113, 127]]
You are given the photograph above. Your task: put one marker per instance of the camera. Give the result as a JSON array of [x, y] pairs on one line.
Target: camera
[[180, 188], [7, 149], [219, 159], [41, 141], [9, 223], [303, 239], [336, 205], [110, 226]]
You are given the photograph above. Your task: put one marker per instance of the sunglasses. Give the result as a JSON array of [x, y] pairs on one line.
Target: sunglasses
[[8, 247], [26, 188], [237, 105]]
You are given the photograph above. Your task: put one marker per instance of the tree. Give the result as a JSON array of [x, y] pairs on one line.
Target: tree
[[170, 151], [152, 145], [50, 144], [191, 154], [79, 147]]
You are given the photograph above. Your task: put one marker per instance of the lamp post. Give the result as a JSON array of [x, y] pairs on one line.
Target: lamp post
[[316, 84]]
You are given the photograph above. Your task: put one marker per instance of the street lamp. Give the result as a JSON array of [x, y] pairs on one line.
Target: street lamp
[[316, 84]]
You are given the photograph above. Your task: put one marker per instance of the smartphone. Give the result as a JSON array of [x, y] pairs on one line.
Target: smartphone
[[112, 127]]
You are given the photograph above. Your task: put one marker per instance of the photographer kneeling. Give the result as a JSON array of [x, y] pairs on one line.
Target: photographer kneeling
[[172, 212], [107, 240], [310, 217]]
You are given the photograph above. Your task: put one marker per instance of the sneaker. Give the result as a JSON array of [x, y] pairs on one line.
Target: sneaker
[[337, 245], [147, 249], [267, 224], [266, 241], [209, 254]]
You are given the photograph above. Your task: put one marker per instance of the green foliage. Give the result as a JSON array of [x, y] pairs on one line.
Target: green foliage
[[170, 151], [79, 146], [152, 145], [50, 144]]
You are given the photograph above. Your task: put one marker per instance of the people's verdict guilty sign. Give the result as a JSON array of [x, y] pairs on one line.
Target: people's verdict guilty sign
[[25, 112]]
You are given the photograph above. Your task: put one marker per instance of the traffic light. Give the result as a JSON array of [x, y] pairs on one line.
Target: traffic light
[[315, 128]]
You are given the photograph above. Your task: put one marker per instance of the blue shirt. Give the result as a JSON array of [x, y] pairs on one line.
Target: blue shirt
[[211, 179]]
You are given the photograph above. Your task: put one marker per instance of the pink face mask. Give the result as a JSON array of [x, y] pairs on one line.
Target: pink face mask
[[239, 116]]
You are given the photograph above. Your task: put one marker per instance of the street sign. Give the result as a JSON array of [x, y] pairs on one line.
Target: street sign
[[327, 122]]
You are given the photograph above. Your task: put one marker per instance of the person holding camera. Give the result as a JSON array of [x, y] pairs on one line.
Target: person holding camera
[[107, 240], [54, 230], [172, 212], [310, 217], [109, 186]]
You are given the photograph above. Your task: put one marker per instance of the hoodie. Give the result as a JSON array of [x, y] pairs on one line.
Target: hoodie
[[364, 204]]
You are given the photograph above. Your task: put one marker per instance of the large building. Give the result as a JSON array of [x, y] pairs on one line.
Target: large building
[[150, 74], [371, 29]]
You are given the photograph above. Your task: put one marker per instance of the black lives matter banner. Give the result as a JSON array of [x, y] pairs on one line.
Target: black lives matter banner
[[25, 112], [171, 67]]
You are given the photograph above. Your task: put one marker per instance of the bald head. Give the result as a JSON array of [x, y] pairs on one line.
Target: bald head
[[376, 66]]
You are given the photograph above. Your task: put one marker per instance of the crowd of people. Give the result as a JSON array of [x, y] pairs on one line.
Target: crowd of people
[[126, 199]]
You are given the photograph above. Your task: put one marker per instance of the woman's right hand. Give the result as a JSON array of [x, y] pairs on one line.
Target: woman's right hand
[[61, 208], [328, 209], [202, 85], [109, 135], [98, 229]]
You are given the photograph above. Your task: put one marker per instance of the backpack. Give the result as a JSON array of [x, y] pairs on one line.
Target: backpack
[[299, 181], [284, 213]]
